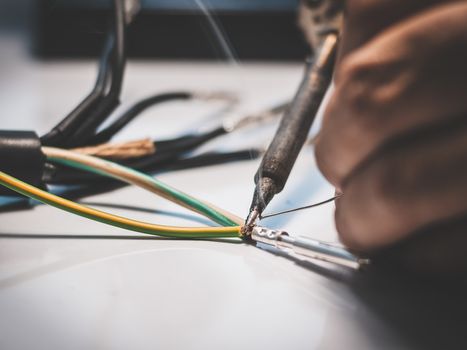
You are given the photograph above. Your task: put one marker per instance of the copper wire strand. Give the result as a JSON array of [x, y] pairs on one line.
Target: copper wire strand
[[301, 208], [121, 150]]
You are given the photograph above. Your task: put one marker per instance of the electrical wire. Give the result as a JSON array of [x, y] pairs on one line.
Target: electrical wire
[[59, 175], [65, 128], [332, 199], [171, 152], [110, 169], [123, 150], [129, 115], [213, 158], [115, 220], [139, 107], [170, 155], [167, 152], [104, 185], [98, 115], [104, 97]]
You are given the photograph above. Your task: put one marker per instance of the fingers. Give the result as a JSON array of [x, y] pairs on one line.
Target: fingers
[[364, 19], [413, 183], [409, 77]]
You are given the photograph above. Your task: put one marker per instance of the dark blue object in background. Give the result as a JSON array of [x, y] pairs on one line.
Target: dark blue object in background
[[175, 29], [191, 5]]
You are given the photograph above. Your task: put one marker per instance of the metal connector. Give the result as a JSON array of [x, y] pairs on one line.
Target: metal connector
[[309, 248], [250, 222]]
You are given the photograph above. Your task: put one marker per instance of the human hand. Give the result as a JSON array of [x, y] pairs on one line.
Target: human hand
[[394, 135]]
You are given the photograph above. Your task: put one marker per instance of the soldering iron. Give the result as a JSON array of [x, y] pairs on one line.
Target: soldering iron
[[322, 26]]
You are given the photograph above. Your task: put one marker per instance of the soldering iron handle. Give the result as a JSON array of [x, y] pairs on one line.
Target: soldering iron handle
[[296, 122]]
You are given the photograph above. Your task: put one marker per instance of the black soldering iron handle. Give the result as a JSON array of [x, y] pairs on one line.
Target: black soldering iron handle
[[294, 127]]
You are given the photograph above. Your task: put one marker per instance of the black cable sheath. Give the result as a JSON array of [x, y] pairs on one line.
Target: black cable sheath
[[128, 116], [88, 127], [21, 157], [213, 158], [71, 122], [167, 152], [111, 69]]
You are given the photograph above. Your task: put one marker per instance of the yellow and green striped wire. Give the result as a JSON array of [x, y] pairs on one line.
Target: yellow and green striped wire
[[230, 222]]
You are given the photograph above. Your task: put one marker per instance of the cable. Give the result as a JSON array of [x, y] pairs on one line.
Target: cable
[[66, 127], [213, 158], [59, 175], [101, 185], [140, 106], [102, 98], [106, 134], [170, 152], [110, 169], [89, 125], [114, 220]]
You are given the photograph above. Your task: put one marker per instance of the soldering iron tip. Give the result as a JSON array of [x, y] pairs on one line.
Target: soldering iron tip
[[250, 222]]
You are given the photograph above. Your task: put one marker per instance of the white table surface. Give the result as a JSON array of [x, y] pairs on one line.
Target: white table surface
[[69, 283]]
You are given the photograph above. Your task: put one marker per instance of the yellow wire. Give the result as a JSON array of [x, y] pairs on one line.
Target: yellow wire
[[130, 176], [115, 220]]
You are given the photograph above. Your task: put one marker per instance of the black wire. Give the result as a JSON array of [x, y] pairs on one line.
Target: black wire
[[172, 150], [66, 127], [128, 116], [189, 142], [167, 152], [213, 158], [111, 70], [88, 127]]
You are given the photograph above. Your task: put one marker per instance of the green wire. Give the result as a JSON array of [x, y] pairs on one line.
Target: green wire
[[158, 232], [170, 191]]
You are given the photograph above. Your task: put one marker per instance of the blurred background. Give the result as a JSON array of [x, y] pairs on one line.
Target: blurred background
[[168, 29], [48, 44]]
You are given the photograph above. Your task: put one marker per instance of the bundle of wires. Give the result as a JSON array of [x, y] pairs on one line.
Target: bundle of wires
[[166, 155], [231, 223], [82, 122], [82, 128], [155, 156]]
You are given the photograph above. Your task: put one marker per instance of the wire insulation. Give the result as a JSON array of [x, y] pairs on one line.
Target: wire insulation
[[129, 115], [113, 170], [104, 97], [115, 220]]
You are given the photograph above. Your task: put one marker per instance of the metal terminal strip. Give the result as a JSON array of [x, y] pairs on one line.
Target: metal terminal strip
[[309, 248]]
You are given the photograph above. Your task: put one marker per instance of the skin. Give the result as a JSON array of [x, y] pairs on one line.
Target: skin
[[394, 134]]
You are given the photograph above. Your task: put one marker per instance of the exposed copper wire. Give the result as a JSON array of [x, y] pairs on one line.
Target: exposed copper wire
[[123, 150]]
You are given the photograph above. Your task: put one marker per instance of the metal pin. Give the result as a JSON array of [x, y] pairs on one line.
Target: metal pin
[[309, 248]]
